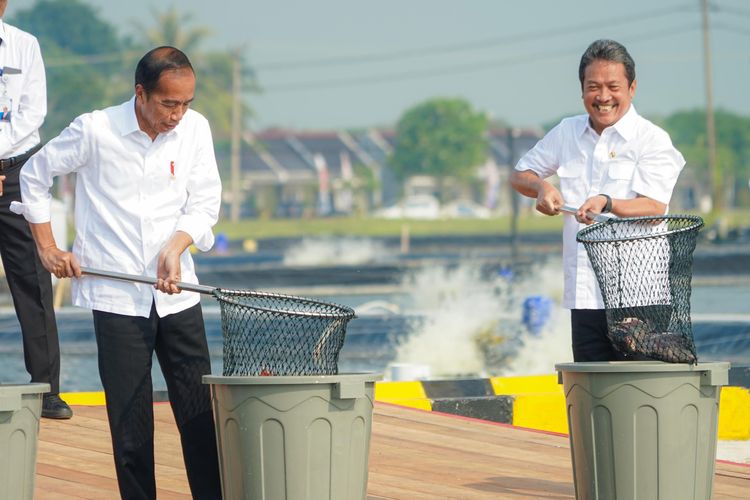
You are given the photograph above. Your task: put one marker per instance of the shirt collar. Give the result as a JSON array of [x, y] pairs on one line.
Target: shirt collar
[[127, 122], [625, 126], [3, 37]]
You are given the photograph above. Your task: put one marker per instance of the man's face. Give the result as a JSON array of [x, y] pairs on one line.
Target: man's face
[[3, 6], [606, 93], [161, 110]]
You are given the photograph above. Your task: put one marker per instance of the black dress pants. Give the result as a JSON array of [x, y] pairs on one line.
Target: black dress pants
[[125, 347], [590, 341], [30, 286]]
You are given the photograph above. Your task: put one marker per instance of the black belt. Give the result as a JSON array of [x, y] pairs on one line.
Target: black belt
[[9, 162]]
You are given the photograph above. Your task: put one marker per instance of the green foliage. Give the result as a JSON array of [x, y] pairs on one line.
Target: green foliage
[[71, 25], [213, 70], [442, 138], [170, 29], [82, 54], [90, 67], [688, 132]]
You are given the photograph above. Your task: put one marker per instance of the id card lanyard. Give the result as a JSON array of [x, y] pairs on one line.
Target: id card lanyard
[[6, 104]]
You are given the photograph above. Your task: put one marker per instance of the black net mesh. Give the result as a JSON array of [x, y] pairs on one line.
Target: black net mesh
[[644, 269], [273, 334]]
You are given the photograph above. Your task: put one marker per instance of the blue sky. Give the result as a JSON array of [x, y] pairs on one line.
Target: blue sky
[[348, 63]]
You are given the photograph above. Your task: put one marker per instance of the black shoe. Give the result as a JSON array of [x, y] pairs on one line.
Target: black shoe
[[54, 407]]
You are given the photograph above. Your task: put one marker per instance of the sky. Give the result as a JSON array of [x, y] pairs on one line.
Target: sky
[[329, 64]]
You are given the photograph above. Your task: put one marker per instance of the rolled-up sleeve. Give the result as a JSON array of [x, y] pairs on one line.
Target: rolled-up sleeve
[[658, 168], [204, 192], [62, 155], [543, 158]]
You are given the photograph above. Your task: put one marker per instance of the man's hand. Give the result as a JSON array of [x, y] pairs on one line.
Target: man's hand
[[168, 271], [548, 199], [2, 178], [60, 263], [593, 206], [528, 183]]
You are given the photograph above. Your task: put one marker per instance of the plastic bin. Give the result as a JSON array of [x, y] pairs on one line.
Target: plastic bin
[[20, 410], [293, 437], [643, 430]]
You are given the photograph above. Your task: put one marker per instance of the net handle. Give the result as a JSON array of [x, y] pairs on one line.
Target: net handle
[[591, 215], [190, 287]]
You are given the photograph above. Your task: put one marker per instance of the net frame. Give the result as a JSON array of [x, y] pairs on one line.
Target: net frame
[[267, 333], [643, 267]]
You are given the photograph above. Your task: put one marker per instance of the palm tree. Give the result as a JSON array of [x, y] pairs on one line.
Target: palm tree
[[213, 94], [170, 29]]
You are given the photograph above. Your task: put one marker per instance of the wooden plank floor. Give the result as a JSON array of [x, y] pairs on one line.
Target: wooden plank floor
[[414, 455]]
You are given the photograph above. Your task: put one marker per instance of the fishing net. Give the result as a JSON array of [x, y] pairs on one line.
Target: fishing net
[[644, 269], [273, 334]]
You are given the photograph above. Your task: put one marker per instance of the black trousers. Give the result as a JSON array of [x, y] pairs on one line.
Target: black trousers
[[589, 333], [30, 286], [590, 341], [125, 347]]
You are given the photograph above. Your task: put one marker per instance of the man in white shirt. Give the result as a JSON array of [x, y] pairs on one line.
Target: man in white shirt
[[147, 187], [608, 160], [23, 106]]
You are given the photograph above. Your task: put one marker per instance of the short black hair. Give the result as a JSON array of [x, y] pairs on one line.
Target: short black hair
[[607, 50], [157, 61]]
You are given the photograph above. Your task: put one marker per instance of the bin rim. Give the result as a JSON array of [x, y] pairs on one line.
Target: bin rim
[[22, 389], [290, 379], [640, 367]]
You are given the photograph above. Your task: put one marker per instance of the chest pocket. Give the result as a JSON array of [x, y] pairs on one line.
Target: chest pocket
[[619, 178], [572, 181]]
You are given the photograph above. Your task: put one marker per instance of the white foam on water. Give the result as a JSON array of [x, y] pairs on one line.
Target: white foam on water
[[462, 309], [334, 251], [456, 304], [539, 353]]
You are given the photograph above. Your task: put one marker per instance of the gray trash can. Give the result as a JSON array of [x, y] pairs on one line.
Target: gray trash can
[[643, 430], [20, 410], [293, 437]]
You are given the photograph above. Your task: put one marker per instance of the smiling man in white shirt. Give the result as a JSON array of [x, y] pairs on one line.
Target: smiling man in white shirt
[[23, 106], [147, 187], [608, 160]]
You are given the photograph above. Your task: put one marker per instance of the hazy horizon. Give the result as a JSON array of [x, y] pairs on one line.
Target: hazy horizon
[[344, 64]]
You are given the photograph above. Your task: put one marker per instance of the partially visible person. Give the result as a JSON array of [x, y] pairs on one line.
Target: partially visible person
[[23, 106], [609, 160], [147, 187]]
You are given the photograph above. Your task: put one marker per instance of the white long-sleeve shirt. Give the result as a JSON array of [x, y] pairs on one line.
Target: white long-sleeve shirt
[[630, 158], [23, 82], [132, 194]]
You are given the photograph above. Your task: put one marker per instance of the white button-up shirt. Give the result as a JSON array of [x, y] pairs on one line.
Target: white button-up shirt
[[24, 84], [132, 194], [632, 157]]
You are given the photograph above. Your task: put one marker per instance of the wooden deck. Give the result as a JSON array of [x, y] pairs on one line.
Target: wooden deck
[[414, 455]]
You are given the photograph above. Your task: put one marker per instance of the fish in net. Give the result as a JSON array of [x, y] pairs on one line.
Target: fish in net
[[643, 267]]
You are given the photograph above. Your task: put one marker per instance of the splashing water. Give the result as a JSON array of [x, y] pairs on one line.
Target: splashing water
[[473, 326], [344, 251]]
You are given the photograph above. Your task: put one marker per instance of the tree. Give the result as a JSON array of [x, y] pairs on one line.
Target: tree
[[82, 55], [170, 29], [688, 132], [71, 24], [440, 137], [214, 89]]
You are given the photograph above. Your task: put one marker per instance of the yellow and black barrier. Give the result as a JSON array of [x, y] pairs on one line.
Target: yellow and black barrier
[[535, 402]]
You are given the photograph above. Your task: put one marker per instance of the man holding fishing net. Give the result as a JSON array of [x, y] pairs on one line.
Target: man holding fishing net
[[147, 187], [610, 160]]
